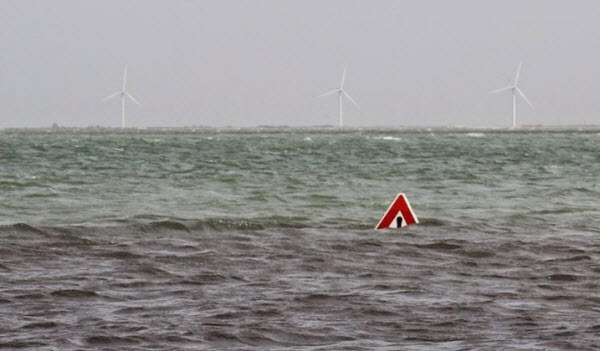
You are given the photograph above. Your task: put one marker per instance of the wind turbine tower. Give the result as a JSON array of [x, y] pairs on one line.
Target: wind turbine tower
[[123, 93], [514, 88], [341, 92]]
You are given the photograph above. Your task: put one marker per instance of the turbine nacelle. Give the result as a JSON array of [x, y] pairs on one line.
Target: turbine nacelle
[[122, 94]]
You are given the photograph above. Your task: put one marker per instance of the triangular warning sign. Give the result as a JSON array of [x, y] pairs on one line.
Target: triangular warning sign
[[398, 215]]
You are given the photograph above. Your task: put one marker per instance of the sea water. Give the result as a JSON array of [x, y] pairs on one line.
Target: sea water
[[256, 240]]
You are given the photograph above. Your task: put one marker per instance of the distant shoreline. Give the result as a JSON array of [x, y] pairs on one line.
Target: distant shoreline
[[200, 129]]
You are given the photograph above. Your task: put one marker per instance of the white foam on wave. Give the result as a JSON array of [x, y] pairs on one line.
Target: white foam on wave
[[476, 135], [387, 137]]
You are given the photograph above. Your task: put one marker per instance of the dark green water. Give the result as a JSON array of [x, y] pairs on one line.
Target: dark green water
[[342, 180], [255, 241]]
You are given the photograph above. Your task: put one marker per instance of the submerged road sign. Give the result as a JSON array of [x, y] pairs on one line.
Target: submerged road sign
[[398, 215]]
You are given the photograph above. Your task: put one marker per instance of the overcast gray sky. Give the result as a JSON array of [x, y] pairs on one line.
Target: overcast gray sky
[[248, 63]]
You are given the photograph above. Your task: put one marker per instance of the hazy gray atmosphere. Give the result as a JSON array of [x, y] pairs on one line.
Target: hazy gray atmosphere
[[249, 63]]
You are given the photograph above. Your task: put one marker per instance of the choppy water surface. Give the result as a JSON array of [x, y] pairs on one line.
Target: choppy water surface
[[256, 241]]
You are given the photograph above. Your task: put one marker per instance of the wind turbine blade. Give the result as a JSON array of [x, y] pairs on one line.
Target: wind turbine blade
[[124, 77], [350, 98], [524, 97], [518, 72], [132, 99], [343, 77], [330, 92], [500, 90], [111, 96]]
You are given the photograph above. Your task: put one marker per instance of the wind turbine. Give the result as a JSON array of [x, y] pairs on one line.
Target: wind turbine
[[515, 90], [341, 93], [122, 93]]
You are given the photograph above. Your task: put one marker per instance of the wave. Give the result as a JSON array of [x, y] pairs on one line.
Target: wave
[[149, 224], [76, 232]]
